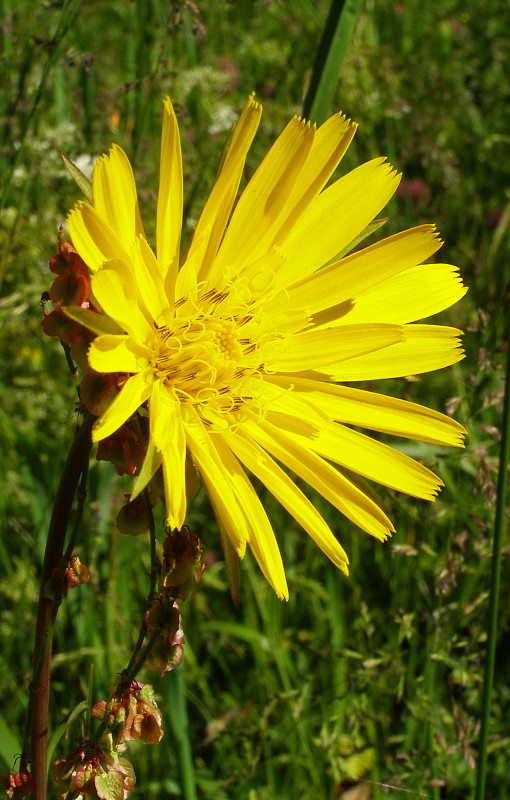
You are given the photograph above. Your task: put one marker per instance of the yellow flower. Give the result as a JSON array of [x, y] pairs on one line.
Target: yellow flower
[[242, 351]]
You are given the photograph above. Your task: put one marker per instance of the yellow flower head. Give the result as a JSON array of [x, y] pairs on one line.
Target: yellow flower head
[[242, 350]]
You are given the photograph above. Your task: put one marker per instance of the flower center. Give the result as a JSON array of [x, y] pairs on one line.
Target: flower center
[[209, 354]]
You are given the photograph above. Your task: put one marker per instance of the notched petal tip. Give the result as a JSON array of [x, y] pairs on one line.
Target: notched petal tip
[[253, 104], [77, 209], [343, 122], [303, 122], [461, 432], [387, 166]]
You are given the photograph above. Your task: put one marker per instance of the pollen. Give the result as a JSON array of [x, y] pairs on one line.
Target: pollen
[[206, 356], [228, 343]]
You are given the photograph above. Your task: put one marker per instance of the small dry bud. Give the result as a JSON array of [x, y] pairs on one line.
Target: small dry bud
[[18, 784], [182, 562], [76, 573], [164, 616]]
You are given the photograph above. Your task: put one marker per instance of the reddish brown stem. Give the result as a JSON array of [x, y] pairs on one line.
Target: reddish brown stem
[[39, 692]]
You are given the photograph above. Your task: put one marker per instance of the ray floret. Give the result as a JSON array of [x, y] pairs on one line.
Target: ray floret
[[239, 352]]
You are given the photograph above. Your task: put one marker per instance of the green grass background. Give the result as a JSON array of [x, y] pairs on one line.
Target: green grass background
[[378, 675]]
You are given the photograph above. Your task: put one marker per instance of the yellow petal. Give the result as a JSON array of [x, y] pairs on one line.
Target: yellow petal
[[260, 276], [213, 220], [262, 539], [216, 480], [169, 214], [319, 348], [321, 476], [109, 353], [148, 276], [336, 217], [412, 295], [376, 411], [114, 195], [364, 456], [134, 392], [352, 450], [288, 494], [167, 432], [261, 208], [424, 348], [186, 283], [330, 142], [116, 291], [342, 281], [93, 238]]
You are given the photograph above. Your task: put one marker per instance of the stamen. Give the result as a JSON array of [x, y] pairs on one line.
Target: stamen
[[203, 360]]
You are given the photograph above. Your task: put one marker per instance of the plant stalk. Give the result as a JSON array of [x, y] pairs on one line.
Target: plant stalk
[[37, 722]]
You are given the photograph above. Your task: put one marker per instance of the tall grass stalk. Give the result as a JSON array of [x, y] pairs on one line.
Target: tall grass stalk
[[495, 580], [328, 60]]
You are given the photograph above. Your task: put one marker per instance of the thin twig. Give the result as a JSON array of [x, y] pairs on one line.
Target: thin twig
[[152, 586]]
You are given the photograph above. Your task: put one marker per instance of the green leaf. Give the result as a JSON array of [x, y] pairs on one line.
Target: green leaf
[[81, 180], [231, 563], [92, 320], [9, 745], [371, 228], [61, 730], [110, 785], [150, 466]]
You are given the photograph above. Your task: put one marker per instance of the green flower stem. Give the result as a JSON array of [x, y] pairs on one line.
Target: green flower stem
[[136, 664], [128, 676], [69, 359], [155, 566], [499, 525], [152, 587], [81, 496], [75, 465], [138, 655]]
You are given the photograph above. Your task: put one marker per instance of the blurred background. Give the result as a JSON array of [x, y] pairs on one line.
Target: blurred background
[[375, 677]]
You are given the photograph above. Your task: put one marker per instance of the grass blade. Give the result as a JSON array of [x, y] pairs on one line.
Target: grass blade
[[492, 629], [9, 745], [330, 55], [179, 724]]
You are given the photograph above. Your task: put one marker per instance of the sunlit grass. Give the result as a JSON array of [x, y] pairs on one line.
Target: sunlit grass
[[283, 699]]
